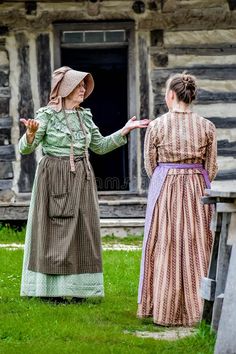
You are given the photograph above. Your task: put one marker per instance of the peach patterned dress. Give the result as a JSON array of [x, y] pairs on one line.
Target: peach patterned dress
[[179, 240]]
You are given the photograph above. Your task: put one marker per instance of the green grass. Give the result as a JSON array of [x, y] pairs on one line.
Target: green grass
[[31, 326], [17, 235], [129, 240], [9, 234]]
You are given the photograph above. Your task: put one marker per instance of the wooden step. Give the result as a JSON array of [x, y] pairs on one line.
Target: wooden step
[[118, 208], [122, 227]]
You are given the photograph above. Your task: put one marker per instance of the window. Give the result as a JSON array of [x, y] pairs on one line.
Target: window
[[81, 37]]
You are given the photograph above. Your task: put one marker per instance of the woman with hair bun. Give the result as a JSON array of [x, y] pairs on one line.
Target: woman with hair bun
[[180, 157]]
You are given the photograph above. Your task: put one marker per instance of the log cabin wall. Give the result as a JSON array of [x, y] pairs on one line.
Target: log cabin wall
[[7, 151], [210, 55], [203, 43], [170, 36]]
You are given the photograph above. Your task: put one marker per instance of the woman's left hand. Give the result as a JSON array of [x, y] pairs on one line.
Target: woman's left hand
[[133, 123]]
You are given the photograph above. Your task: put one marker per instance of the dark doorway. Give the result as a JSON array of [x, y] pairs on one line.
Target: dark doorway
[[108, 103]]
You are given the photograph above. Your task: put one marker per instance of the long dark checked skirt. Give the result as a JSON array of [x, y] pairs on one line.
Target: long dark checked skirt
[[63, 247]]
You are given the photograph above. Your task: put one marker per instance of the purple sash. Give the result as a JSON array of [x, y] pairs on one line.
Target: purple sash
[[156, 183]]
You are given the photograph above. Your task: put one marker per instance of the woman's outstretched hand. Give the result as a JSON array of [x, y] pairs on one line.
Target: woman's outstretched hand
[[31, 128], [133, 123]]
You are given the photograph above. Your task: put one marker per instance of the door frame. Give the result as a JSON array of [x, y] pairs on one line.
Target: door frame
[[128, 26]]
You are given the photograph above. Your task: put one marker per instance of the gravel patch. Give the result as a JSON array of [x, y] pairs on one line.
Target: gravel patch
[[12, 246], [174, 333], [111, 247], [121, 247]]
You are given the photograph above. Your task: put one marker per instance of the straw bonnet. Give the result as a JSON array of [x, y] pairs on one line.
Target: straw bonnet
[[64, 81]]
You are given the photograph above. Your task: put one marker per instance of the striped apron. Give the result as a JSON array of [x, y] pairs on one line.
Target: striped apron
[[66, 225], [156, 183]]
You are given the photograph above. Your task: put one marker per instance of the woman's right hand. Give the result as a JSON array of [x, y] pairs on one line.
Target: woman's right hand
[[31, 128]]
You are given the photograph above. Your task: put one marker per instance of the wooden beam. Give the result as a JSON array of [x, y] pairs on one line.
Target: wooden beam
[[47, 1], [226, 339], [6, 170], [169, 5], [4, 75], [5, 184], [227, 122], [219, 49], [208, 304], [6, 122], [120, 209], [232, 230], [7, 153], [5, 130], [205, 97], [5, 92], [224, 175], [226, 148], [223, 259], [220, 194], [219, 72], [4, 106], [144, 100], [5, 136], [226, 207], [208, 288], [25, 109], [44, 67], [187, 19]]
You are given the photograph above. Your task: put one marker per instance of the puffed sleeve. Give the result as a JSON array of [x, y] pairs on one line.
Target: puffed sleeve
[[104, 144], [150, 150], [42, 117], [211, 153]]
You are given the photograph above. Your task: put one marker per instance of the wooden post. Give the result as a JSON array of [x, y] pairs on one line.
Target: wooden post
[[226, 338], [222, 270], [209, 300], [213, 287]]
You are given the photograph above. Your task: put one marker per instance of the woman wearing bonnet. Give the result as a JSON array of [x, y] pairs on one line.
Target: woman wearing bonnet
[[180, 158], [62, 255]]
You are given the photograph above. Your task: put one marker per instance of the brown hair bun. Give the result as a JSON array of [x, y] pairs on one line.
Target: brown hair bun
[[185, 87]]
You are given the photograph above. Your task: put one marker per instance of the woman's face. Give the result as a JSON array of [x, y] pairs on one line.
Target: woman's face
[[77, 95]]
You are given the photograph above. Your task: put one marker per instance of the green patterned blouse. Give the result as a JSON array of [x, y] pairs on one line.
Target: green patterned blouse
[[55, 136]]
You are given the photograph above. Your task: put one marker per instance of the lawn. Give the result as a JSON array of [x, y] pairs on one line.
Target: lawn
[[29, 326]]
